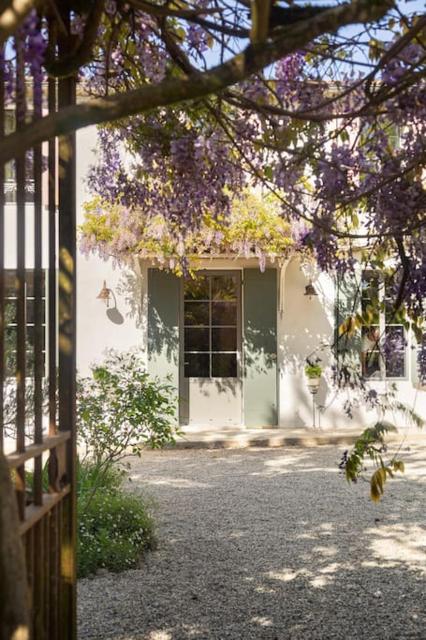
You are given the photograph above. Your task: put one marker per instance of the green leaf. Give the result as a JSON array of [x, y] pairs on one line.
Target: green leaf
[[377, 483], [268, 171]]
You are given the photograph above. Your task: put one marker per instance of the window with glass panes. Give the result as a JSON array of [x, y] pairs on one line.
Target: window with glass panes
[[421, 360], [10, 320], [211, 326], [395, 338], [383, 344]]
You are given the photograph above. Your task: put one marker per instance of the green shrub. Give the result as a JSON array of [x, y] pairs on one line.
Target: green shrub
[[91, 477], [29, 481], [114, 527], [121, 409]]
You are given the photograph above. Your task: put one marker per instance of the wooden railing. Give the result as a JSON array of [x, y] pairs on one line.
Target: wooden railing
[[40, 445]]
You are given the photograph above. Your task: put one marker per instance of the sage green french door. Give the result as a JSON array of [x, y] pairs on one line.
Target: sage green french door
[[211, 371]]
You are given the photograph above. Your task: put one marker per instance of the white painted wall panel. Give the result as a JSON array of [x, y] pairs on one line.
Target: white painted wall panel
[[100, 328], [303, 324]]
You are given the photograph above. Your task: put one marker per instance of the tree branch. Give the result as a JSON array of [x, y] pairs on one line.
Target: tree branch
[[406, 264], [164, 11], [173, 91], [196, 16], [82, 53]]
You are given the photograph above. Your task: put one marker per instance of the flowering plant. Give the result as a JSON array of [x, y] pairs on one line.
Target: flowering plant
[[338, 139], [254, 228]]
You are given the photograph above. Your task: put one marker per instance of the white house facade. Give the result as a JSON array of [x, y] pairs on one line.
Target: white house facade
[[233, 343]]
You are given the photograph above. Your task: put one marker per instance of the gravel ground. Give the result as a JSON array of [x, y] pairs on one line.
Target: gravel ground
[[268, 544]]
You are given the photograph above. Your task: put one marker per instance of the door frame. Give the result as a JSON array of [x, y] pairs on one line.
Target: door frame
[[184, 400]]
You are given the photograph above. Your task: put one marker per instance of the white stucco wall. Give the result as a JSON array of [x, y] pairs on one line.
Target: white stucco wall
[[303, 325], [99, 328]]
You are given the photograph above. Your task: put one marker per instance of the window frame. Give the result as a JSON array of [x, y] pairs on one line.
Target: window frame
[[210, 274], [383, 325]]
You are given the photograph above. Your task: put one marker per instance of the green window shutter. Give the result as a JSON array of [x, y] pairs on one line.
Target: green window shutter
[[415, 362], [260, 347], [163, 325], [347, 305]]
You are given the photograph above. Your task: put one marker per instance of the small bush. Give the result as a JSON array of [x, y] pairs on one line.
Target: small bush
[[115, 527], [92, 476], [121, 409]]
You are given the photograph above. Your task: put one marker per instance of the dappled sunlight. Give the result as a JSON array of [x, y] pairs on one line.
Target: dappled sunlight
[[320, 582], [276, 544], [285, 575], [177, 483], [191, 631], [160, 635], [381, 547], [262, 621], [263, 589], [237, 534], [394, 545], [317, 579], [326, 528], [331, 568], [308, 536], [416, 465], [326, 552], [194, 631], [302, 462]]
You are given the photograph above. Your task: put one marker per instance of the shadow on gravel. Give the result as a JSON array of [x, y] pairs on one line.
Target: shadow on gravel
[[269, 544]]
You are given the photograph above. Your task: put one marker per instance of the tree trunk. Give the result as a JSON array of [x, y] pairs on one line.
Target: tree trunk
[[14, 609]]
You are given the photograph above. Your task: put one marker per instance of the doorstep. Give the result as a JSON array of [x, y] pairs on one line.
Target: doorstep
[[243, 438]]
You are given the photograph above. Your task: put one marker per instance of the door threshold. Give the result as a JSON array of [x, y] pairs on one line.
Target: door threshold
[[211, 427]]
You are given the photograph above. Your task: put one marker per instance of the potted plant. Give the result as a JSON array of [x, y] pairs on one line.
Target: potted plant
[[313, 371]]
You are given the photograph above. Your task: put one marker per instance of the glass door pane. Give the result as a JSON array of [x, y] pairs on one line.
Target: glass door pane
[[211, 333]]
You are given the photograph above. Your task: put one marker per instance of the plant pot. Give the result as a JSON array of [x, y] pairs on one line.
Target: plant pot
[[313, 384]]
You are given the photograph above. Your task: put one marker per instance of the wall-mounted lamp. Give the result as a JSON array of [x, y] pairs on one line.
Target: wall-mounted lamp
[[104, 294], [310, 290]]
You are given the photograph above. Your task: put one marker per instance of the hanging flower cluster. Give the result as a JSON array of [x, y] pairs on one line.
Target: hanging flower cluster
[[253, 229], [336, 132], [32, 42]]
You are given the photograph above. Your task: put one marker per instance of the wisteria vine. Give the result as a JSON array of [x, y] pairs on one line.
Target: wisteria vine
[[334, 131]]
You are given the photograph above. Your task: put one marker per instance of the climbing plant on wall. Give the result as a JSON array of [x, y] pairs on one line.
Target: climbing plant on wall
[[254, 228]]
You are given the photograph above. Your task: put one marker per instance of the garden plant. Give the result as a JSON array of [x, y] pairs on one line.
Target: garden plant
[[121, 410]]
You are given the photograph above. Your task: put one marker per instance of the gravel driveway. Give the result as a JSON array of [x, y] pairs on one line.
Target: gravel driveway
[[268, 543]]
